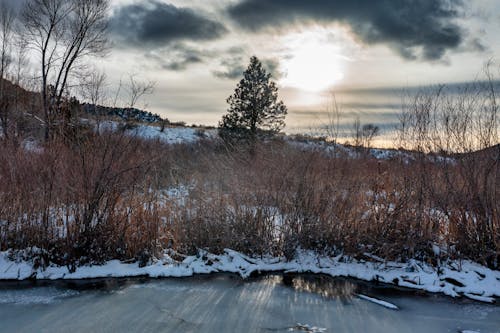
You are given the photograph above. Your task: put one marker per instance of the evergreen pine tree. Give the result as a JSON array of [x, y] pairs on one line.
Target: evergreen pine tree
[[254, 109]]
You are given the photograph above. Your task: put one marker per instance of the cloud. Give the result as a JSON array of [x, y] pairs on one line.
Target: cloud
[[231, 71], [234, 66], [415, 29], [232, 62], [476, 45], [178, 56], [13, 4], [152, 23], [183, 63]]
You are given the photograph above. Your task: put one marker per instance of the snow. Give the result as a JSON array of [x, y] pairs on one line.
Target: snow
[[189, 135], [186, 135], [173, 135], [170, 135], [332, 149], [474, 281], [480, 298], [307, 328], [31, 145], [378, 301]]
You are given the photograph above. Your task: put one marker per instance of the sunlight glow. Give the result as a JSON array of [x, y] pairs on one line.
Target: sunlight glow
[[313, 62]]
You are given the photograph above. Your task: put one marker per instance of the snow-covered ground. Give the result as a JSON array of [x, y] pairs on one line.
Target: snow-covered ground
[[332, 149], [463, 278], [187, 135], [170, 135]]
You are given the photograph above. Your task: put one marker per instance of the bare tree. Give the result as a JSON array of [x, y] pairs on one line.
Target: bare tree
[[356, 132], [488, 119], [138, 89], [368, 133], [7, 21], [117, 93], [419, 119], [21, 63], [7, 26], [363, 135], [63, 32], [93, 91], [334, 111]]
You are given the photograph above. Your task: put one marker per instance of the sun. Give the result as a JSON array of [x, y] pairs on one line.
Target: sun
[[312, 63]]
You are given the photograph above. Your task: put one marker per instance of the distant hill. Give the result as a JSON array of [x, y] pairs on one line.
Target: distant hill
[[126, 114], [492, 153], [30, 100], [22, 95]]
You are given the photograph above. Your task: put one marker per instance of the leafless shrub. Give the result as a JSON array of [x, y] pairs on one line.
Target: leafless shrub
[[89, 197], [79, 201], [458, 131]]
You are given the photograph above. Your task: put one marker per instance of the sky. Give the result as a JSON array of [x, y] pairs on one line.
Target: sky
[[362, 50]]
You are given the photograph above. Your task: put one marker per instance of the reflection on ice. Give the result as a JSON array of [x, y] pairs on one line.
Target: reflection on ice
[[322, 285], [225, 303]]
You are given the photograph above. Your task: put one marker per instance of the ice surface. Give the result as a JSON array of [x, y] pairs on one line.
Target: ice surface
[[224, 303]]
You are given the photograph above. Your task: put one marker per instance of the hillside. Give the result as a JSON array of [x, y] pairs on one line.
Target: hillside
[[28, 114], [126, 114]]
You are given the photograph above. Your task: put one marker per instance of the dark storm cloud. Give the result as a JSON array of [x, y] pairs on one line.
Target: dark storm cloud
[[153, 23], [14, 4], [416, 29]]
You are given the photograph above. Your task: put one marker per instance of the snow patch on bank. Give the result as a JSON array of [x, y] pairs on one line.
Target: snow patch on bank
[[470, 279]]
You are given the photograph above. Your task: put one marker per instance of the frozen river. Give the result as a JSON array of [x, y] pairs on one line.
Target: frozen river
[[225, 303]]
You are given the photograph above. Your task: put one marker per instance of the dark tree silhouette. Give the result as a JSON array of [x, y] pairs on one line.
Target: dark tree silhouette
[[254, 109]]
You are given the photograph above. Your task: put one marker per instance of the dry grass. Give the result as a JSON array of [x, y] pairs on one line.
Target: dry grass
[[281, 199]]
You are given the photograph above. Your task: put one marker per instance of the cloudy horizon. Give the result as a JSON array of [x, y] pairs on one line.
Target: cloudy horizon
[[196, 51]]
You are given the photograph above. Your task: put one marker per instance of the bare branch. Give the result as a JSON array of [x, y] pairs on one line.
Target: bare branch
[[138, 89]]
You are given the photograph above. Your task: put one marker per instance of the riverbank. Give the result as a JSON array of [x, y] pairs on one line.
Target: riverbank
[[455, 279]]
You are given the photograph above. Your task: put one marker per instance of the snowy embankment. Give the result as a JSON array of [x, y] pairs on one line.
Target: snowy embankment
[[457, 279]]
